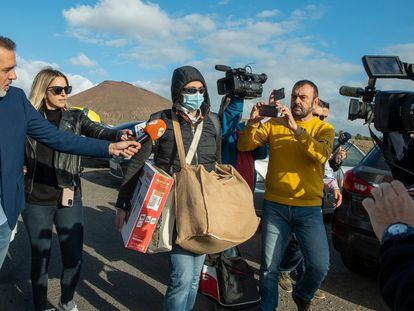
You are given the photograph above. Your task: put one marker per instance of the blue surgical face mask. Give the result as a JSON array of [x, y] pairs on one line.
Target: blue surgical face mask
[[193, 101]]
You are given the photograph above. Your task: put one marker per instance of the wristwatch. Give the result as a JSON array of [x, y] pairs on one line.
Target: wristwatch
[[300, 131], [396, 230]]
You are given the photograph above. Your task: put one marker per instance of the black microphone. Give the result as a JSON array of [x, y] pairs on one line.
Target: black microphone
[[222, 67], [342, 140], [351, 91]]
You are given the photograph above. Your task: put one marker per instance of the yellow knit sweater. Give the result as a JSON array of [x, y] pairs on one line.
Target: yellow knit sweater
[[296, 165]]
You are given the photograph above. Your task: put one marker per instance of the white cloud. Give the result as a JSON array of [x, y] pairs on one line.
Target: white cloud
[[79, 83], [161, 87], [404, 51], [83, 61], [133, 18], [28, 69], [223, 2], [134, 22], [116, 43], [269, 13]]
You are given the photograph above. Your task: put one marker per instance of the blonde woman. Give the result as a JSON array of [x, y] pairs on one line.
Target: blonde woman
[[52, 186]]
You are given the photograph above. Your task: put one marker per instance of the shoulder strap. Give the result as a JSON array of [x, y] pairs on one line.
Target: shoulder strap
[[178, 139], [194, 143], [216, 122]]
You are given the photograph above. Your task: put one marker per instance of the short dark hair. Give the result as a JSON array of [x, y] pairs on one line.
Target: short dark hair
[[7, 43], [307, 82], [323, 104]]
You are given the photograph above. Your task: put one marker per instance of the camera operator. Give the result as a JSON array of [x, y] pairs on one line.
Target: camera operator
[[391, 211], [299, 147], [230, 115]]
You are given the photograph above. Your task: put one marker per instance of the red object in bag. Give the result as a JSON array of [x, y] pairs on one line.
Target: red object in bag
[[208, 282]]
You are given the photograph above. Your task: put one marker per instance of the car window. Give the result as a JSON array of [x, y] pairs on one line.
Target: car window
[[353, 156], [375, 159]]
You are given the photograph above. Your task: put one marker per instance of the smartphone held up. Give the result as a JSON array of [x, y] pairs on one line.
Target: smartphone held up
[[271, 110]]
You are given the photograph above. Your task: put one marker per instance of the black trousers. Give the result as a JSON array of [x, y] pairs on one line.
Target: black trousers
[[39, 220]]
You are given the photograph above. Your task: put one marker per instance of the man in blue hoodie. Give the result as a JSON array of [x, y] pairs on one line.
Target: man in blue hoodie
[[230, 114]]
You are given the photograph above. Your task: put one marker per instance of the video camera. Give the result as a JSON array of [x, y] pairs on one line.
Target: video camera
[[391, 111], [240, 82]]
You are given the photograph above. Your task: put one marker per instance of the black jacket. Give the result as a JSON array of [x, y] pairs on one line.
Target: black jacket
[[396, 278], [67, 166], [165, 149]]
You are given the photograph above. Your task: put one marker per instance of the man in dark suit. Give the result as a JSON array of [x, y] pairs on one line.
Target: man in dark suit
[[18, 118]]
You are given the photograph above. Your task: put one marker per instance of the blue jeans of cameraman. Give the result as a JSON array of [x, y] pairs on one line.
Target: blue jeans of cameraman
[[185, 270], [278, 222]]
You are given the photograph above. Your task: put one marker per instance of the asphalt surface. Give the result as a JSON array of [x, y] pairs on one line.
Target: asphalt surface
[[114, 278]]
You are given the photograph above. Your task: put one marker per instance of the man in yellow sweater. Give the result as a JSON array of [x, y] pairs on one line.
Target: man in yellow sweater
[[300, 144]]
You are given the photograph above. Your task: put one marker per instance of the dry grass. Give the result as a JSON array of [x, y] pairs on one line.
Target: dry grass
[[364, 145]]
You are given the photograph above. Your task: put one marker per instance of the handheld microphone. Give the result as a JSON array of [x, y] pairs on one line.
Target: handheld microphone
[[152, 131], [342, 140], [351, 91]]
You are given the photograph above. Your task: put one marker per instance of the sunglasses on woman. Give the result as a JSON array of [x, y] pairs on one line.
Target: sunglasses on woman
[[320, 116], [57, 90], [193, 90]]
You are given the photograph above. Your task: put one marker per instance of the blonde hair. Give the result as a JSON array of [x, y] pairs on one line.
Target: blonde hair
[[40, 84]]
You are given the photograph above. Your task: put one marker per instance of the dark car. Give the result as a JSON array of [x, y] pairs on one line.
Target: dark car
[[352, 233]]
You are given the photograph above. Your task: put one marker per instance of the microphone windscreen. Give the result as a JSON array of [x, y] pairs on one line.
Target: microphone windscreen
[[155, 129]]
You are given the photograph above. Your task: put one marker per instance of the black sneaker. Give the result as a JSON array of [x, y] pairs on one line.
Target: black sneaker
[[302, 304]]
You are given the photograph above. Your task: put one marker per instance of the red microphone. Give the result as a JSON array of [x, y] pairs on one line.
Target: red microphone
[[152, 131]]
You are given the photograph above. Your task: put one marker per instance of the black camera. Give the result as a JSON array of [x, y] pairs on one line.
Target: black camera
[[240, 82], [391, 111]]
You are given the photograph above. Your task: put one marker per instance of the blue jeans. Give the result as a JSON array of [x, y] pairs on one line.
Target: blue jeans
[[5, 235], [184, 278], [293, 258], [278, 222], [39, 220]]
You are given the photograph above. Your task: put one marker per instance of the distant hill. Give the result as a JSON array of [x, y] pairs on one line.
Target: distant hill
[[118, 102]]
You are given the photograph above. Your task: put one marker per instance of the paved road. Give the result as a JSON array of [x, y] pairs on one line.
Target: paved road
[[114, 278]]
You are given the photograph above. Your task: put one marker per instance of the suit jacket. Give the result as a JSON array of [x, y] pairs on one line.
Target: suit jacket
[[18, 118]]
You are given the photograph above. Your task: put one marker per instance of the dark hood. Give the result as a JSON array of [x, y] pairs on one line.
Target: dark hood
[[181, 77]]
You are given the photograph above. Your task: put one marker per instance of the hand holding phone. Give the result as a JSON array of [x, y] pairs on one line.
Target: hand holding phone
[[278, 94], [269, 111]]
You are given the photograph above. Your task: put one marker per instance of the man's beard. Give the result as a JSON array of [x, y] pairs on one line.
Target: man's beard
[[2, 93], [297, 115]]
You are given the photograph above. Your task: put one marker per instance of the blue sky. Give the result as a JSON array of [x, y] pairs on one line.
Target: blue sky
[[142, 42]]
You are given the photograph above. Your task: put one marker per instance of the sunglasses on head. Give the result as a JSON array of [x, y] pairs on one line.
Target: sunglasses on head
[[57, 90], [193, 90], [320, 116]]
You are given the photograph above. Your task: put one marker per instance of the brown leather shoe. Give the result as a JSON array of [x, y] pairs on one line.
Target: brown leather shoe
[[319, 294], [285, 282]]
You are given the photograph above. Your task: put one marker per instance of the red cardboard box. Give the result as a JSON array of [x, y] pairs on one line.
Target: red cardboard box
[[150, 197]]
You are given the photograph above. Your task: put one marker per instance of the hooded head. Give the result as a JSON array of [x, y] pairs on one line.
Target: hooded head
[[181, 77]]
